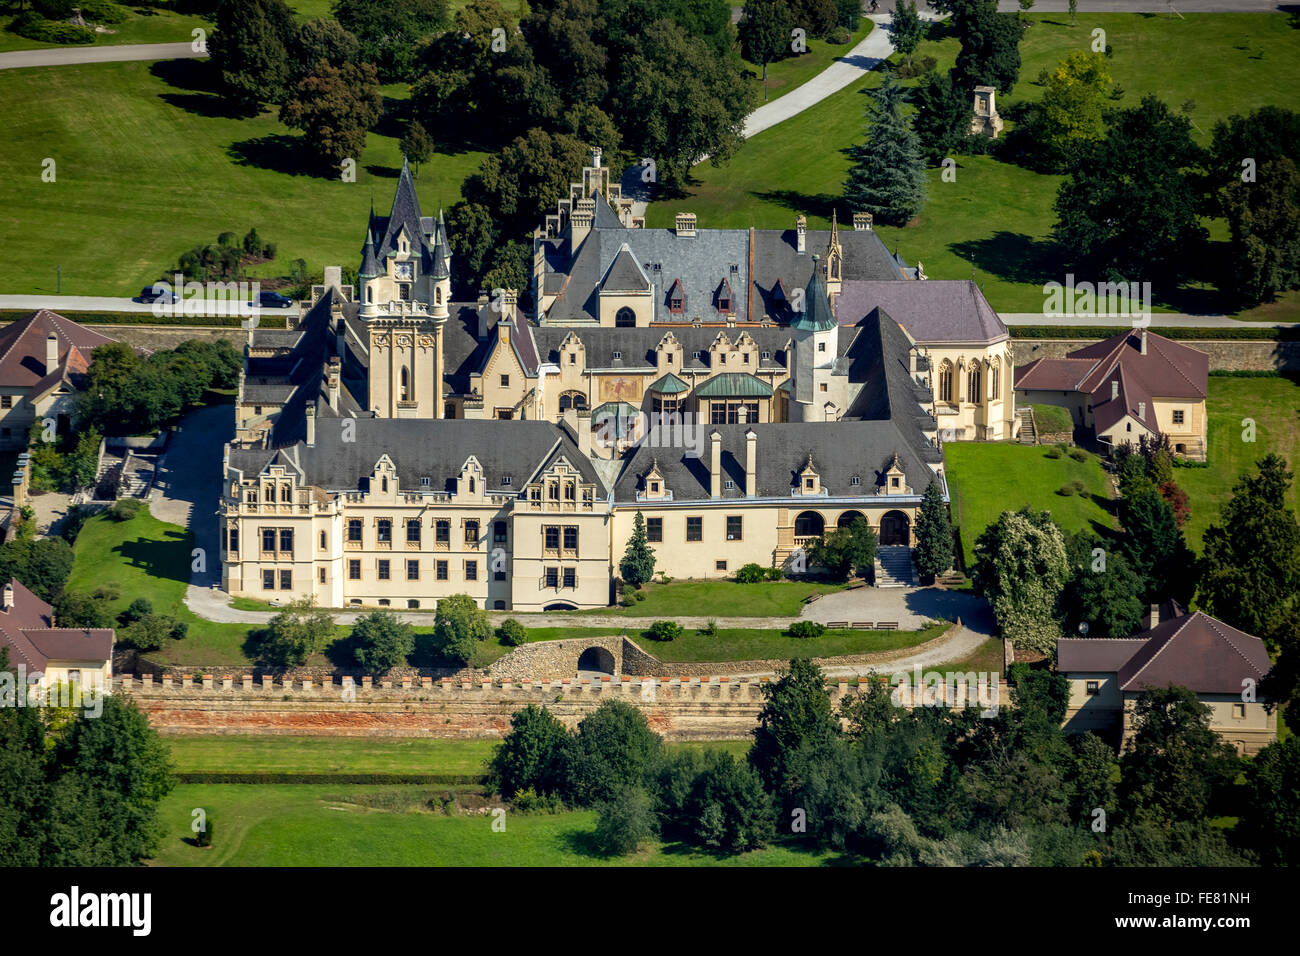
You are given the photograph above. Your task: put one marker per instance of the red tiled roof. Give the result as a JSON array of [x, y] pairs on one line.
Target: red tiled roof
[[26, 628], [22, 349]]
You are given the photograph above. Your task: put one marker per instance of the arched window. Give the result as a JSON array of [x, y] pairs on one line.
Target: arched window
[[995, 380], [406, 391], [808, 523], [566, 402], [973, 385], [945, 382], [625, 318], [575, 400], [437, 295], [370, 293]]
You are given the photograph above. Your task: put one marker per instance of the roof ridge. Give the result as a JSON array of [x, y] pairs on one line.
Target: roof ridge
[[22, 330], [1160, 650], [1170, 361], [1214, 624]]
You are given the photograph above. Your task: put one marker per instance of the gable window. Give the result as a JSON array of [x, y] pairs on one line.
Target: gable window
[[1094, 687], [625, 318], [505, 381]]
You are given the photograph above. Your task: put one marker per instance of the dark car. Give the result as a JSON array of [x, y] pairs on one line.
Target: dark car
[[273, 300], [151, 293]]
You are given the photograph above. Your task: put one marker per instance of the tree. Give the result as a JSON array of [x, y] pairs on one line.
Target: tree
[[334, 107], [1107, 597], [1270, 822], [389, 31], [638, 564], [1129, 206], [531, 755], [624, 822], [297, 632], [417, 145], [1174, 762], [845, 550], [887, 178], [1155, 548], [250, 50], [934, 551], [512, 633], [1250, 561], [321, 39], [1092, 776], [381, 641], [73, 609], [1020, 568], [613, 749], [730, 810], [43, 566], [942, 118], [990, 45], [906, 28], [1177, 500], [797, 707], [1264, 220], [459, 625], [24, 799], [764, 33], [1070, 111]]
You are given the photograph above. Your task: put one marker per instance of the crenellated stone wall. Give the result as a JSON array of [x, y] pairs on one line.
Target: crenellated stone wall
[[1225, 354]]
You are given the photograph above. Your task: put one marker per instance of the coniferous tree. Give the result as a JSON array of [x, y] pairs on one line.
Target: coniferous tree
[[638, 564], [933, 551], [888, 174], [942, 119]]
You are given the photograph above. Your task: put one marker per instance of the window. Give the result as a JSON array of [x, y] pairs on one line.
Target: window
[[440, 570], [412, 570], [654, 487], [425, 482], [654, 529], [625, 318], [286, 539], [471, 533], [551, 536], [499, 532], [570, 577], [322, 575], [728, 485], [573, 358], [855, 480], [973, 386], [506, 479], [384, 530], [720, 565], [945, 383], [1178, 416], [995, 380], [323, 540], [821, 346], [285, 493], [471, 570], [765, 356], [1094, 687], [268, 539], [268, 580], [382, 569], [412, 530], [234, 539], [6, 401], [354, 570], [616, 355], [442, 532], [406, 392], [286, 580], [735, 527], [354, 529], [695, 529], [821, 387], [505, 381], [553, 491], [412, 603], [384, 602], [552, 577], [569, 491], [1238, 711], [893, 482], [809, 483], [498, 575], [571, 538]]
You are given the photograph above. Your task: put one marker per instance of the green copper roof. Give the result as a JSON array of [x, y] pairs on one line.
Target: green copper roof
[[816, 315], [613, 408], [670, 384], [734, 385]]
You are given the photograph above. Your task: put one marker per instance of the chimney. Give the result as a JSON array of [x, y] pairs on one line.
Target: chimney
[[1142, 410], [1114, 389], [1143, 348], [333, 374], [715, 464], [578, 428], [1153, 616], [334, 278], [751, 463], [801, 233], [580, 222], [862, 222], [509, 303], [483, 310], [685, 224], [8, 598], [311, 424], [51, 353], [595, 157]]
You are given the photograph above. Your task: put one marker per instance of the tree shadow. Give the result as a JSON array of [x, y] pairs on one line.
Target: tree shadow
[[384, 172], [252, 644], [187, 75], [342, 652], [821, 205], [206, 105], [1012, 256], [277, 152], [167, 558]]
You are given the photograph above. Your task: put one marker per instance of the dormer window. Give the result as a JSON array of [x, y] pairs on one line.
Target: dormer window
[[765, 356], [855, 480], [654, 487], [616, 355], [677, 298], [696, 356], [724, 296], [506, 479]]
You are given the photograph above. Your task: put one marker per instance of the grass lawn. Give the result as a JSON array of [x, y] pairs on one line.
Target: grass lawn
[[327, 825], [1052, 418], [986, 479], [1274, 404], [353, 754], [792, 72], [724, 599], [143, 25], [759, 644], [150, 162], [996, 216]]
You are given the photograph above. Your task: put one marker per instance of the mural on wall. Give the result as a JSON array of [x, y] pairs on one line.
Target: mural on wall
[[620, 388]]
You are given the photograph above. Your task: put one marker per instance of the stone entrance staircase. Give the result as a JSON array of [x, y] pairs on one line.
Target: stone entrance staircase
[[1028, 431], [894, 566]]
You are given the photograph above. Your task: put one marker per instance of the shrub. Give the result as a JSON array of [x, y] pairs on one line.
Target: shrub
[[624, 823], [126, 509], [1053, 452], [529, 800], [1079, 486], [638, 595], [106, 592], [102, 11], [512, 633], [1066, 490], [34, 27], [140, 607], [665, 630], [751, 574], [839, 35], [204, 836], [806, 629], [710, 629], [775, 574], [381, 641], [1078, 454]]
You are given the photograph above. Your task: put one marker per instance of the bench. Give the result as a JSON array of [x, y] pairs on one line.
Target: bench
[[887, 626]]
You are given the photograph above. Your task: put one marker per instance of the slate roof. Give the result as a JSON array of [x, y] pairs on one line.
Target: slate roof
[[931, 310], [638, 345], [26, 629], [816, 314], [405, 213], [22, 350], [624, 275], [777, 258], [429, 448]]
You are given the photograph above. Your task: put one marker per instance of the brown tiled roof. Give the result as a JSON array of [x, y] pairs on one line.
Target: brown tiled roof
[[22, 349], [1062, 374], [1195, 651], [1104, 654], [26, 629]]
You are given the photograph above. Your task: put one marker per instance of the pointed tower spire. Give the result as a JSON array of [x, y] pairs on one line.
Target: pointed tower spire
[[369, 264]]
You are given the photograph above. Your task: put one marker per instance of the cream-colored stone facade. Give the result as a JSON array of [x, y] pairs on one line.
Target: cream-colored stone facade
[[974, 395]]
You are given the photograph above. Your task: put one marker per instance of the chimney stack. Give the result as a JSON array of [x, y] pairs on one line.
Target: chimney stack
[[333, 373], [1143, 349], [862, 221], [1114, 389], [1153, 616], [685, 224], [51, 353], [8, 597], [1142, 410], [715, 464], [801, 233], [311, 424], [751, 463]]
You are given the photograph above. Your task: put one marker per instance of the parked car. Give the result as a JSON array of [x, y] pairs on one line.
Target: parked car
[[153, 293], [273, 300]]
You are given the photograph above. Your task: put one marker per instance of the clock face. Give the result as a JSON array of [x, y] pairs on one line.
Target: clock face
[[404, 270]]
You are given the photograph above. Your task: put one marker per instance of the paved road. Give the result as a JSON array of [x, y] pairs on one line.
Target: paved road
[[96, 303], [1180, 320], [69, 56], [1146, 6]]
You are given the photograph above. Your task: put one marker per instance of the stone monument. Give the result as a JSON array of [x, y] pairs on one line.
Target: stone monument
[[986, 121]]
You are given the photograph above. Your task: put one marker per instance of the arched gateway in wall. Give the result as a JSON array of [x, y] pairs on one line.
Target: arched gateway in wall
[[895, 528]]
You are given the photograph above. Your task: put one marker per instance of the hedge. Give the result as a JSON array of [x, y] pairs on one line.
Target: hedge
[[1265, 332], [148, 318], [278, 776]]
